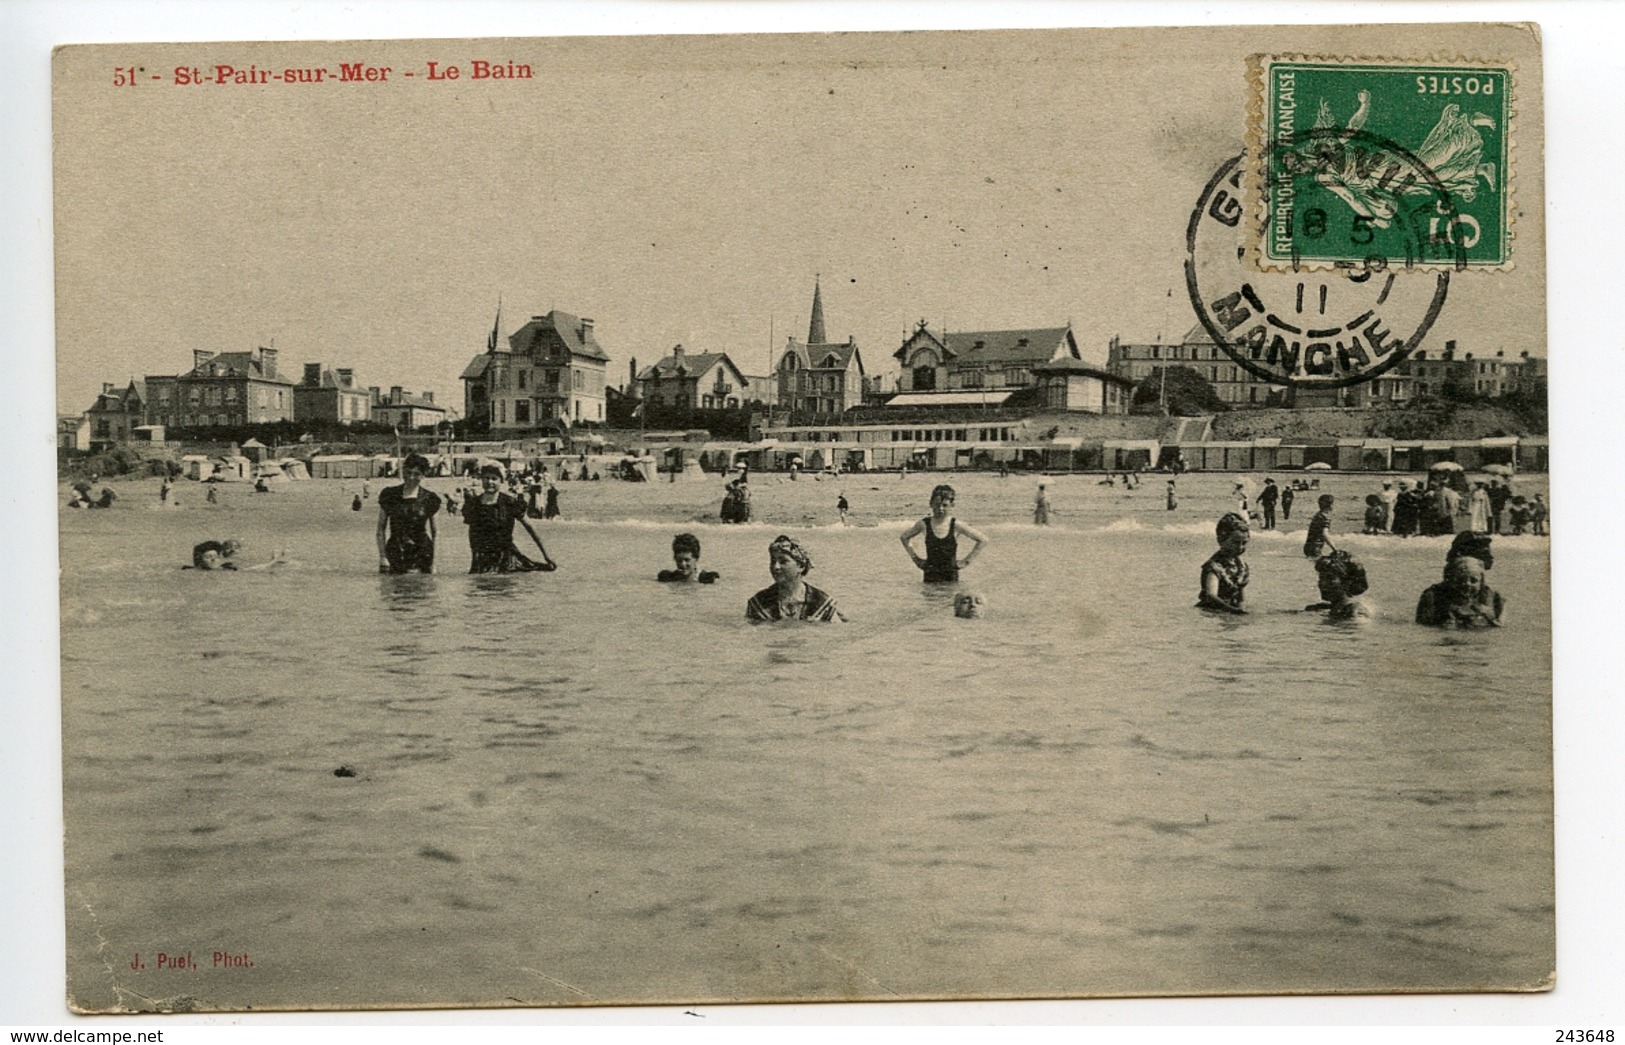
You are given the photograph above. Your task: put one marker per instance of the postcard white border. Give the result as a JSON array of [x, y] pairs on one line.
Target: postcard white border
[[1584, 216]]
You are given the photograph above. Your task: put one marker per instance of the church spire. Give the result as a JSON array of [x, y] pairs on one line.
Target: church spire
[[815, 329]]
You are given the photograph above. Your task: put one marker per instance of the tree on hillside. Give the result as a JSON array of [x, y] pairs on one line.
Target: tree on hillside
[[1186, 393]]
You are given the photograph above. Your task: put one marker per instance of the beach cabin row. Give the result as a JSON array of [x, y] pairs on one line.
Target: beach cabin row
[[1365, 455], [1122, 455]]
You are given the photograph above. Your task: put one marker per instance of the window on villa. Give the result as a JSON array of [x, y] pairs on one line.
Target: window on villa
[[521, 409]]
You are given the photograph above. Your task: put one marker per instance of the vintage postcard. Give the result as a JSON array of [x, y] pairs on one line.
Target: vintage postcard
[[804, 517]]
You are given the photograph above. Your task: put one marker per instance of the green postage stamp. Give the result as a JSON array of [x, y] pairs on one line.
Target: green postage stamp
[[1373, 165]]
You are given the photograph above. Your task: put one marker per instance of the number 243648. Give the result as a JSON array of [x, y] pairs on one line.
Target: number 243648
[[1567, 1036]]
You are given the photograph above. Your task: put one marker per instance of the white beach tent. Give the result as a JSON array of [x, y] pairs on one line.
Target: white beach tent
[[643, 466], [197, 466]]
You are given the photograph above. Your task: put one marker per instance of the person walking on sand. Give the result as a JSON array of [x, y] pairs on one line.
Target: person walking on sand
[[1478, 509], [1173, 496], [1500, 494], [941, 562], [1287, 496], [842, 506], [1267, 499], [163, 490], [1041, 506], [1389, 499]]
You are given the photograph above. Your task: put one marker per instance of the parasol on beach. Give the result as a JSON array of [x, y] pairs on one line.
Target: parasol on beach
[[1497, 469], [1444, 466], [1318, 466]]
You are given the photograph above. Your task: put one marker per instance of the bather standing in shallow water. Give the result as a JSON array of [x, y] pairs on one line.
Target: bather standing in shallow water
[[406, 531], [490, 518], [942, 561]]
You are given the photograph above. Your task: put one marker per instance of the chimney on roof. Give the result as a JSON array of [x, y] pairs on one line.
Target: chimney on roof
[[200, 356], [1450, 350], [377, 395], [346, 377], [586, 329], [395, 393], [107, 388], [632, 374], [677, 352], [268, 361], [428, 397], [1500, 353], [313, 375]]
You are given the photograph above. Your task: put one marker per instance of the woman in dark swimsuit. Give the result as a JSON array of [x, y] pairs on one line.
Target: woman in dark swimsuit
[[490, 518], [406, 521], [942, 562]]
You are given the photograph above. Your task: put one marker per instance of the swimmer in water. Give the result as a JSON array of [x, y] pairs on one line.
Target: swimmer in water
[[969, 605], [1456, 602], [685, 557], [1225, 574], [1342, 581]]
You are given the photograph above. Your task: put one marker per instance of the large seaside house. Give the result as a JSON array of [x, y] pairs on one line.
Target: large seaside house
[[987, 367], [406, 412], [113, 418], [228, 388], [331, 395], [704, 380], [549, 372], [817, 376]]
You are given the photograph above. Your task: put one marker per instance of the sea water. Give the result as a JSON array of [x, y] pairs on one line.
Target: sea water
[[588, 787]]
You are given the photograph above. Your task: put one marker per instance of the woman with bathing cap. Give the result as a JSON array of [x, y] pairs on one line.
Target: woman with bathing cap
[[1457, 601], [1224, 575], [790, 597], [1342, 581], [1472, 545]]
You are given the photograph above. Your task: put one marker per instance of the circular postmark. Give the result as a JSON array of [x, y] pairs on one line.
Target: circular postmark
[[1338, 323]]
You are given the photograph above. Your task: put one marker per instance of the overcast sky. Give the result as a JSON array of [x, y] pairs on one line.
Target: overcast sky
[[676, 191]]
